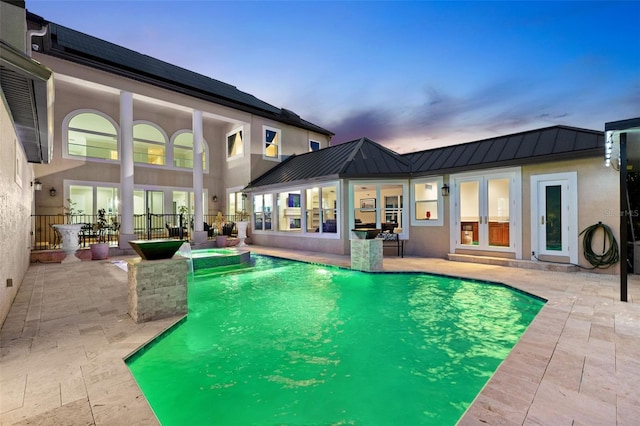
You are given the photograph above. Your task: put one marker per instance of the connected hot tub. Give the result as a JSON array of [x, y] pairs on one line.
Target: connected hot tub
[[213, 258]]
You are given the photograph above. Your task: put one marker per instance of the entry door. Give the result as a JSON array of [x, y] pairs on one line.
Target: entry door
[[554, 216]]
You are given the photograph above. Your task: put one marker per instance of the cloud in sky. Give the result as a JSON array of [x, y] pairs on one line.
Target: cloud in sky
[[410, 75]]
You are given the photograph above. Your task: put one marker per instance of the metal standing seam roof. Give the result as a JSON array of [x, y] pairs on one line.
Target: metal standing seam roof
[[534, 146], [364, 158], [360, 158], [72, 45]]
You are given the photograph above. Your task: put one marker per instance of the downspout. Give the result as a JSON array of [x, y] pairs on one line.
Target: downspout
[[39, 33]]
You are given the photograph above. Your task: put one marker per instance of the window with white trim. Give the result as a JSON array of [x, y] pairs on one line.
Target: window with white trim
[[314, 145], [235, 144], [91, 135], [149, 144], [183, 150], [271, 143], [262, 208], [311, 211], [427, 205]]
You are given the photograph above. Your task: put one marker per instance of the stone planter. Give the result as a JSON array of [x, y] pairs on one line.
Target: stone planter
[[242, 232], [70, 243]]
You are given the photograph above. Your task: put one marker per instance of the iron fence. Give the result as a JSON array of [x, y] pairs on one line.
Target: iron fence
[[145, 226]]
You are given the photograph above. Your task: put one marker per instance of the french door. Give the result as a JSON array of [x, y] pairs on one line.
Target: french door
[[486, 209]]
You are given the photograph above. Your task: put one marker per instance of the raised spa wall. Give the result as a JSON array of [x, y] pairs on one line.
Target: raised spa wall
[[157, 288], [366, 255]]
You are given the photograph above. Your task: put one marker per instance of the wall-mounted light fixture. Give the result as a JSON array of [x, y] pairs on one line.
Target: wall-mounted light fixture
[[445, 190], [52, 192], [37, 185], [215, 198]]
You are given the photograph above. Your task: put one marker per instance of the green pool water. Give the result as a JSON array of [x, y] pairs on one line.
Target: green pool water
[[291, 343]]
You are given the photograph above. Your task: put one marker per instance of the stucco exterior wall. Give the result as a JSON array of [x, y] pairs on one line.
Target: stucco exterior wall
[[171, 111], [16, 196], [430, 241], [598, 189]]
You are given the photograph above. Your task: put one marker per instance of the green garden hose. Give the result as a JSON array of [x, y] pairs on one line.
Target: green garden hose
[[610, 256]]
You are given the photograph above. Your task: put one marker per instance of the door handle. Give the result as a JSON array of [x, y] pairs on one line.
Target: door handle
[[541, 220]]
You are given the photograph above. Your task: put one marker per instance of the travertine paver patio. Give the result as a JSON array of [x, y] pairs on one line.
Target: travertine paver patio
[[63, 344]]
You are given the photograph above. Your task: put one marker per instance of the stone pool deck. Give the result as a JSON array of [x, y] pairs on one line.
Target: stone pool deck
[[63, 343]]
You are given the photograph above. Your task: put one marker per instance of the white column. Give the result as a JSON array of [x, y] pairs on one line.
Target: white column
[[126, 169], [199, 235]]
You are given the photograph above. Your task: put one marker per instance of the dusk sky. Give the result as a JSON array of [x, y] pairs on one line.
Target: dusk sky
[[409, 75]]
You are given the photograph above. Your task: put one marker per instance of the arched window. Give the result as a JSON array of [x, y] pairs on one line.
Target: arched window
[[91, 135], [149, 144], [183, 151]]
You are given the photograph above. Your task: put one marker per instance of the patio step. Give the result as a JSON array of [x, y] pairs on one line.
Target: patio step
[[514, 263]]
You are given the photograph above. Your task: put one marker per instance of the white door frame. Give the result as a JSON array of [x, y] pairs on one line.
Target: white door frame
[[514, 174], [569, 182]]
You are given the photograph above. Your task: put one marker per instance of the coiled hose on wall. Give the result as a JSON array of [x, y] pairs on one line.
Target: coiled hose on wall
[[610, 256]]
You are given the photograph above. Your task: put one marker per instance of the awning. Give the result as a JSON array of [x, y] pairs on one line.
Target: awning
[[28, 89]]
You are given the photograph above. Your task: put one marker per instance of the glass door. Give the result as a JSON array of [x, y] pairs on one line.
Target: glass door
[[497, 219], [148, 210], [551, 218], [470, 214], [484, 219]]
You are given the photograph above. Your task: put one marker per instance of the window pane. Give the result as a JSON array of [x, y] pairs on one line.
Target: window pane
[[91, 135], [271, 142], [85, 144], [183, 157], [234, 144], [469, 212], [313, 210], [268, 207], [314, 146], [147, 153], [148, 145], [82, 197], [553, 217], [426, 210], [329, 209], [498, 199], [426, 194], [107, 198], [289, 216]]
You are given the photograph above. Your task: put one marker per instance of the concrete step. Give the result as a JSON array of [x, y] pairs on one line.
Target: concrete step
[[514, 263]]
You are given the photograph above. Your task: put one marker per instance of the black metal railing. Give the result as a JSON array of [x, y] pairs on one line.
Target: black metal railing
[[146, 227]]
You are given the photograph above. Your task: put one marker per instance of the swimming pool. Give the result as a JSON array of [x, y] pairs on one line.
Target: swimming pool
[[293, 343]]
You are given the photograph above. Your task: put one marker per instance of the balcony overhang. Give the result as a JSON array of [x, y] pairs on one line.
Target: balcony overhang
[[28, 90]]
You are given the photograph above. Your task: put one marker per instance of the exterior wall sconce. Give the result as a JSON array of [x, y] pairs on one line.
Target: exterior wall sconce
[[52, 192], [215, 198], [37, 185], [445, 190]]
